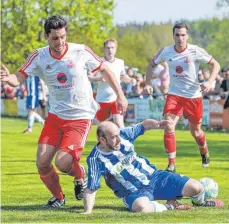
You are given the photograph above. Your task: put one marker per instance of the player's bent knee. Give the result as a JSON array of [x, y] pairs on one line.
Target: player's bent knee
[[43, 167], [64, 168], [192, 187], [141, 208], [142, 204], [63, 161]]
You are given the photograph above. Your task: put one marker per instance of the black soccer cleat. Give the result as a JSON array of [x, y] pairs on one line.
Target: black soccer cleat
[[55, 203], [205, 160], [171, 168], [211, 203], [80, 185]]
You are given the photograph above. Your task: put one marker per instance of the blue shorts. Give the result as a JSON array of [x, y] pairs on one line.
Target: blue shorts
[[32, 102], [163, 186]]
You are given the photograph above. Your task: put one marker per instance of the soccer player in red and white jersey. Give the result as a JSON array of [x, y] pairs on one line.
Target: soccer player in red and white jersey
[[185, 91], [106, 97], [63, 67]]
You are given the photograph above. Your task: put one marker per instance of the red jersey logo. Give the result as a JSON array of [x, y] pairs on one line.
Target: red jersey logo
[[61, 78], [179, 69]]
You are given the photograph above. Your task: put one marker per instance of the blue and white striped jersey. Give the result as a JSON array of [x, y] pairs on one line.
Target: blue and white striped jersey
[[124, 171], [32, 85]]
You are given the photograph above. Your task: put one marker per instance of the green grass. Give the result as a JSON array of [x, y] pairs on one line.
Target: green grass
[[23, 194]]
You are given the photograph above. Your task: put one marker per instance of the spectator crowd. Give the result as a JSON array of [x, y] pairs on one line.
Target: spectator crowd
[[160, 84]]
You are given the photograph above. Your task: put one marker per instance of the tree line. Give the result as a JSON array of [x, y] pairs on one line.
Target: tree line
[[91, 23]]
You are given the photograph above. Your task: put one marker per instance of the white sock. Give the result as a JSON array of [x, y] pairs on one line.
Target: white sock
[[157, 207], [30, 120], [198, 199], [38, 118]]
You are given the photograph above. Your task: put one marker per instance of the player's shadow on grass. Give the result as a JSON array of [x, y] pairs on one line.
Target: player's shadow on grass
[[80, 209], [20, 174], [73, 209], [18, 161]]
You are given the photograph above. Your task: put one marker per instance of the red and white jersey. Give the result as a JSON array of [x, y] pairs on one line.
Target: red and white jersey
[[183, 69], [70, 92], [104, 92]]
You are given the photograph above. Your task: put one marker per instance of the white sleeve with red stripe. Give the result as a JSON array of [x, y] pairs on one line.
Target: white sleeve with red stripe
[[92, 61], [31, 65], [159, 57], [202, 55]]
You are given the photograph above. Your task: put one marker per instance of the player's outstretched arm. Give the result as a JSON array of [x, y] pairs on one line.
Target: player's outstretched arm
[[13, 80], [149, 124], [89, 201]]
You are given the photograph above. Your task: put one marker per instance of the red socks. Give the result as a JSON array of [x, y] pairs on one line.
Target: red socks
[[170, 146], [76, 171], [201, 141], [51, 181]]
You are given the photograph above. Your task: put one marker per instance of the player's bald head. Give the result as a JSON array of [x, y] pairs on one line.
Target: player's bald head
[[105, 127]]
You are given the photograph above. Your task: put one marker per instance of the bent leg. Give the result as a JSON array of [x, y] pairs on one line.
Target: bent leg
[[48, 175], [66, 164], [191, 188]]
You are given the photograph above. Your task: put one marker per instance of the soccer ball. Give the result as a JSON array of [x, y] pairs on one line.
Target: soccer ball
[[210, 186]]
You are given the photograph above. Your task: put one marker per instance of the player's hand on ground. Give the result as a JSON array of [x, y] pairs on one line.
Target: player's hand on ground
[[4, 73], [205, 87], [122, 104], [148, 90]]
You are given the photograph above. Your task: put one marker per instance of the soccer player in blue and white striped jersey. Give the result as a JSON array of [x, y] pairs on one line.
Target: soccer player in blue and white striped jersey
[[132, 177], [32, 101]]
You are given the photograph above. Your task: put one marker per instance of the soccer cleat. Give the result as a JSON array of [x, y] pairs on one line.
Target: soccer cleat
[[205, 160], [171, 168], [54, 203], [27, 131], [80, 185], [211, 203]]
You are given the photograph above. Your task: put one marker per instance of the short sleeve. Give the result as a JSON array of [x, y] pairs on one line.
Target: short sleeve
[[202, 55], [92, 61], [31, 68], [131, 133]]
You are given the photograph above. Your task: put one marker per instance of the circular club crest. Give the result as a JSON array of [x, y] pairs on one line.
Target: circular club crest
[[61, 78], [179, 69]]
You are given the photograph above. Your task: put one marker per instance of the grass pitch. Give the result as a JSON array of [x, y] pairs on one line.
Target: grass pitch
[[23, 194]]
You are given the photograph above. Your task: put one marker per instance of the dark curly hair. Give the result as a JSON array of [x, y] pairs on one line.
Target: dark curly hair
[[55, 22]]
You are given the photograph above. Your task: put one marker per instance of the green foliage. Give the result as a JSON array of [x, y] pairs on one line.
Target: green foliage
[[22, 22], [137, 44], [23, 194], [91, 23], [222, 3], [219, 46]]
